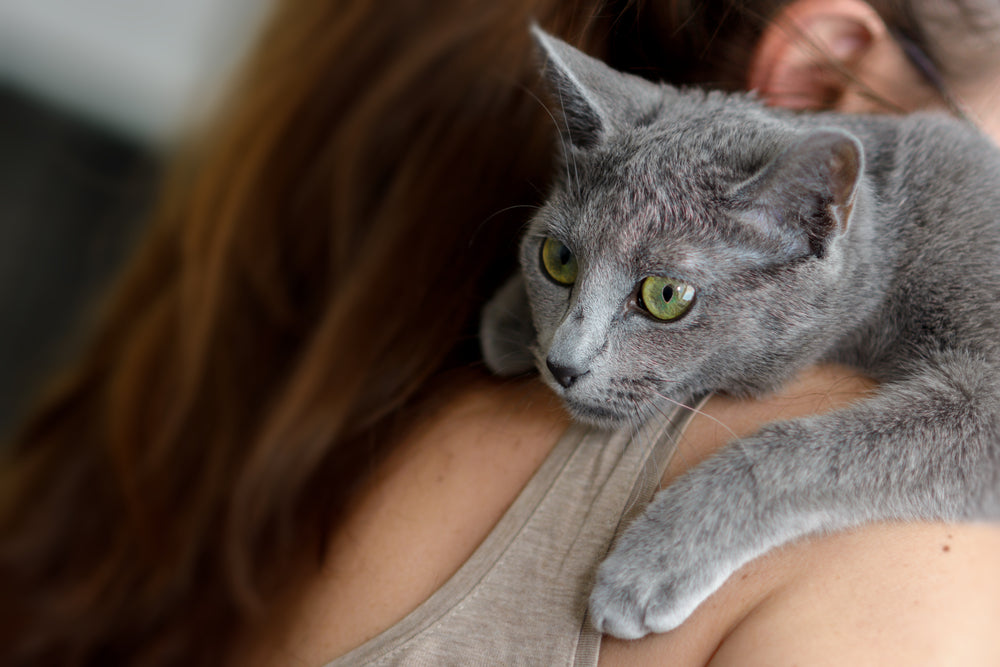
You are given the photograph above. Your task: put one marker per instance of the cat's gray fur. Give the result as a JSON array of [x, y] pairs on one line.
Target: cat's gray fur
[[873, 241]]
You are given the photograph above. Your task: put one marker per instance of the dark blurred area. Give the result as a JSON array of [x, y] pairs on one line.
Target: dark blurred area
[[73, 197]]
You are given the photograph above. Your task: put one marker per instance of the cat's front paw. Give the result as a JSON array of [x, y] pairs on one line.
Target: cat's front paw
[[636, 594], [682, 548]]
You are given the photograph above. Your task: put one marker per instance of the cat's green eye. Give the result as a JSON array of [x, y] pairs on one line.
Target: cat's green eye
[[559, 262], [665, 298]]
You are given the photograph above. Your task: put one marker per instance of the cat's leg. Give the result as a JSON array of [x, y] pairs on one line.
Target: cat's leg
[[927, 447], [506, 330]]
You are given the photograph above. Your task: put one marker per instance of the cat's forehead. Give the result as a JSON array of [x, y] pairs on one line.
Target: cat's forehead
[[659, 191], [701, 153], [643, 235], [655, 199], [644, 195]]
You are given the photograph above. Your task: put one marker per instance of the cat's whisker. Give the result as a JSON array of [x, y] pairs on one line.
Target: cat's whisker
[[636, 438], [567, 150], [687, 462], [564, 149], [512, 338], [735, 441], [501, 212], [658, 466], [700, 412]]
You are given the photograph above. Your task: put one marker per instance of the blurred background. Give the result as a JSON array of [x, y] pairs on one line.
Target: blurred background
[[92, 95]]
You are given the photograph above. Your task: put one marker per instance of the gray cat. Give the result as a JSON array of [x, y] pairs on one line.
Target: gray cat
[[700, 242]]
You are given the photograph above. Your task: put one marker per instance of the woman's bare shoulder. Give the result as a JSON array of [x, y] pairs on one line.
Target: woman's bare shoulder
[[906, 594], [459, 459]]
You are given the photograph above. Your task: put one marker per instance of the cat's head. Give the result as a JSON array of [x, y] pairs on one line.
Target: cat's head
[[688, 245]]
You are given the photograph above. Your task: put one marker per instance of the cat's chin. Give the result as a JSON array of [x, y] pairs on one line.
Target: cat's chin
[[606, 417], [598, 415]]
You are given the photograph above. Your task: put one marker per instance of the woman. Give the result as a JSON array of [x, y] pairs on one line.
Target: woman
[[280, 440]]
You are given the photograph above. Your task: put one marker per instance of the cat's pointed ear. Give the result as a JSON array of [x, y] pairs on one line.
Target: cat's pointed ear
[[581, 119], [591, 97], [806, 195]]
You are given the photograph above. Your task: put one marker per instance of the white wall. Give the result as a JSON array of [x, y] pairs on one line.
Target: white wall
[[141, 66]]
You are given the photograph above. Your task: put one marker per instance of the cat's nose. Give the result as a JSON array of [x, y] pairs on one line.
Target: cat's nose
[[564, 375]]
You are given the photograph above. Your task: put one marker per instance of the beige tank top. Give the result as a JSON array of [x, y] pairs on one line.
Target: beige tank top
[[521, 598]]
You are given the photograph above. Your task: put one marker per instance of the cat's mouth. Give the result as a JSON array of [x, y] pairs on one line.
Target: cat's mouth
[[600, 411], [618, 408]]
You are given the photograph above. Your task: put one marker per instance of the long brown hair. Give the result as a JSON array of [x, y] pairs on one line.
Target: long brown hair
[[319, 253]]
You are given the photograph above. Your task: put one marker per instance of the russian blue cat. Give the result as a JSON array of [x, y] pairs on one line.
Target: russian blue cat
[[698, 242]]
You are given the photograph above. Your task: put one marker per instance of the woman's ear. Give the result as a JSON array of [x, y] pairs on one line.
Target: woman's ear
[[816, 53]]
